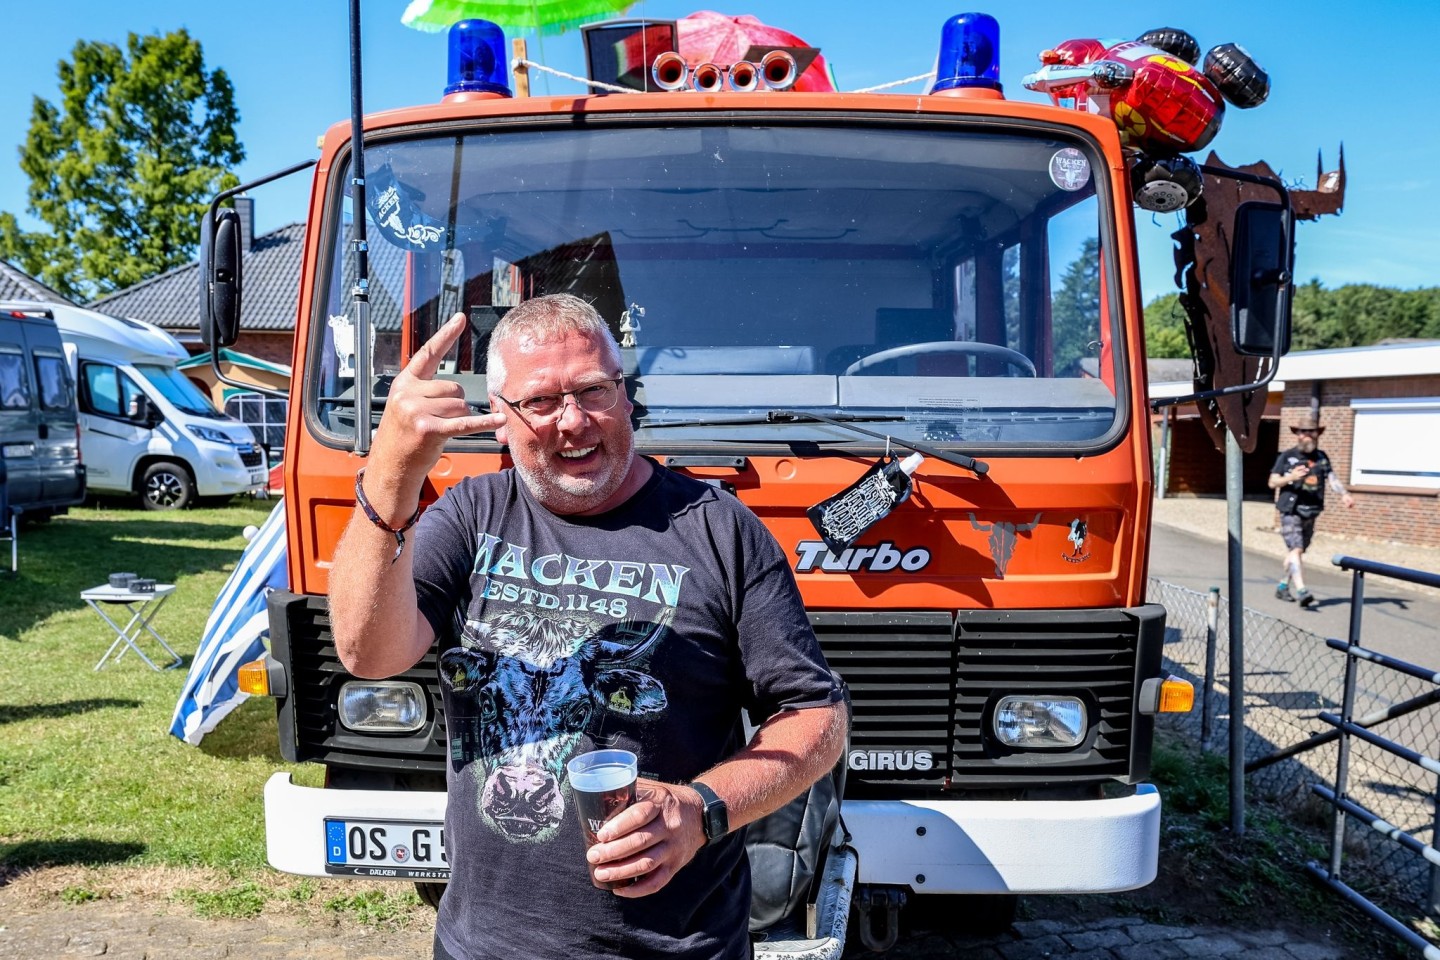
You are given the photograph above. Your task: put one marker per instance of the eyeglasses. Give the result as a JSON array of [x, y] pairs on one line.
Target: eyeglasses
[[1308, 433], [546, 408]]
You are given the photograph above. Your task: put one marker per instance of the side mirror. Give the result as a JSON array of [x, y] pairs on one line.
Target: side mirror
[[141, 411], [1262, 278], [220, 272]]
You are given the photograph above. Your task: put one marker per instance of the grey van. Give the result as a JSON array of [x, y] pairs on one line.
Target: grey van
[[39, 428]]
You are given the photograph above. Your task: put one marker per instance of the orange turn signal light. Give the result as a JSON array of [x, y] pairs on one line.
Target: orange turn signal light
[[1176, 695], [254, 678]]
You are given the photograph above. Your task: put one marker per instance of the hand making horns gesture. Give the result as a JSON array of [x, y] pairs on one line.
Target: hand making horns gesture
[[422, 413]]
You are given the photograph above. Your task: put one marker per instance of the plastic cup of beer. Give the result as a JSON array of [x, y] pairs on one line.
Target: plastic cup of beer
[[603, 782]]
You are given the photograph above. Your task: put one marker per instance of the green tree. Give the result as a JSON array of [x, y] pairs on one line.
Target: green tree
[[1361, 314], [1165, 328], [122, 169], [1076, 311]]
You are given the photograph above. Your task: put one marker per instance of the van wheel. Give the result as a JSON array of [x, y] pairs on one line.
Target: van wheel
[[166, 486], [430, 893]]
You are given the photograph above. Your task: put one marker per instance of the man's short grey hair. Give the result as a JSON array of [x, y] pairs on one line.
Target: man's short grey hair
[[543, 319]]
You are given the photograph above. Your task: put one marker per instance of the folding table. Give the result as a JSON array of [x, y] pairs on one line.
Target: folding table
[[142, 608]]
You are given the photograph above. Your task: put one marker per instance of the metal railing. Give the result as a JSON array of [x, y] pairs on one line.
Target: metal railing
[[1347, 801], [1293, 678]]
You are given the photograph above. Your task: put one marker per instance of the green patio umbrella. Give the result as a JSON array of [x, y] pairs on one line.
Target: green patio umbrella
[[544, 17]]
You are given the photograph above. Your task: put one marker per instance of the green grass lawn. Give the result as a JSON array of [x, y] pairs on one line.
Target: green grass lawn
[[89, 773]]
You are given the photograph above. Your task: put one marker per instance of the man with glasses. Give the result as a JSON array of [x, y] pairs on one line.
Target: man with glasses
[[1301, 475], [586, 598]]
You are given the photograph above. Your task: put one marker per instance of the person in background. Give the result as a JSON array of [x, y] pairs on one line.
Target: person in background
[[1301, 475], [586, 597]]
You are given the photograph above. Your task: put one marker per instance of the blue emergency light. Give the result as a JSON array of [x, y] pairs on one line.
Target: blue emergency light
[[969, 53], [477, 59]]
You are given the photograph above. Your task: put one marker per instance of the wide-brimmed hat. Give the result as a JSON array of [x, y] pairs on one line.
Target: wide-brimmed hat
[[1307, 422]]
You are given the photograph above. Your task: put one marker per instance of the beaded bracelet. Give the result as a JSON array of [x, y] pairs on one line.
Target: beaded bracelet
[[374, 517]]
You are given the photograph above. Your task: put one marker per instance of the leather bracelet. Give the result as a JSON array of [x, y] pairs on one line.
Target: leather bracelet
[[375, 518]]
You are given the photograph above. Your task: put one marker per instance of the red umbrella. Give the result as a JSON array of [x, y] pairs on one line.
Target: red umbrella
[[715, 38]]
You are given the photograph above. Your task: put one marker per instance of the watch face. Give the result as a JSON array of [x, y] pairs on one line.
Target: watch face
[[715, 820]]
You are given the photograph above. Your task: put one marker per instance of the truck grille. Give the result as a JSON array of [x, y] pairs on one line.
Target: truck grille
[[309, 730], [251, 456], [916, 691]]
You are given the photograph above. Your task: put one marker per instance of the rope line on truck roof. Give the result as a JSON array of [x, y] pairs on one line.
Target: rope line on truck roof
[[522, 61], [896, 83], [613, 88]]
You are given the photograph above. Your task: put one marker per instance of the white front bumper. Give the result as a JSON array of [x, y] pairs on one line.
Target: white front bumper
[[1008, 846], [224, 474], [933, 847]]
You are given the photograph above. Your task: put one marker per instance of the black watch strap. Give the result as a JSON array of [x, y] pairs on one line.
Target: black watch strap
[[716, 819]]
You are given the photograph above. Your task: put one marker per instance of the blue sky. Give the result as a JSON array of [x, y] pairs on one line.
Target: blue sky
[[1357, 73]]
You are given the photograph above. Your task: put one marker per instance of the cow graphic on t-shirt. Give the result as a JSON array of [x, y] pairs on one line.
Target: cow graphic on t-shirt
[[526, 684]]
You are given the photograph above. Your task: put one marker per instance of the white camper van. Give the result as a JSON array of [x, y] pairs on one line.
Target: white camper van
[[144, 428]]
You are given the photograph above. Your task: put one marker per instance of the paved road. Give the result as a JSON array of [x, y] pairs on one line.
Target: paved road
[[1398, 620]]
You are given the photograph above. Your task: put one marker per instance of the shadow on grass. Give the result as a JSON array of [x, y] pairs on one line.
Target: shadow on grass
[[50, 711], [79, 551], [15, 858], [247, 732]]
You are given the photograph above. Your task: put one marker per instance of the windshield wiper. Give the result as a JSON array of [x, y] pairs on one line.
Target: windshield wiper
[[846, 421], [979, 467]]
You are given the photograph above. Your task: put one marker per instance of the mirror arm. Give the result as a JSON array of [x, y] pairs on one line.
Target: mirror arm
[[1274, 184], [209, 222]]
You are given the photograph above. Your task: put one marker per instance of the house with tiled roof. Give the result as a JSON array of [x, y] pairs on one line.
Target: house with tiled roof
[[16, 284], [271, 272]]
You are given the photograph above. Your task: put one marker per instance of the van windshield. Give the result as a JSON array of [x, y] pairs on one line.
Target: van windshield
[[182, 394], [953, 280]]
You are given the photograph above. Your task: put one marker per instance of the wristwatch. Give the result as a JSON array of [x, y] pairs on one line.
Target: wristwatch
[[716, 818]]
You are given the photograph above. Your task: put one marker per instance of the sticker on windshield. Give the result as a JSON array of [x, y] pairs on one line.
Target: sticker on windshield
[[1069, 169]]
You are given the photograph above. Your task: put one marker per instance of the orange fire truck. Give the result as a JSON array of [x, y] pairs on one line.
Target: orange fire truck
[[803, 283]]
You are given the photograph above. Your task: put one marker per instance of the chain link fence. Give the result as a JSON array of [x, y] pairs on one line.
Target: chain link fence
[[1290, 677]]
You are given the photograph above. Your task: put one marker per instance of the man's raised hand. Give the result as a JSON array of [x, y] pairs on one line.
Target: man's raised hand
[[422, 413]]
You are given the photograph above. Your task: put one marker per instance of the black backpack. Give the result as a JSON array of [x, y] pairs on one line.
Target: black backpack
[[787, 848]]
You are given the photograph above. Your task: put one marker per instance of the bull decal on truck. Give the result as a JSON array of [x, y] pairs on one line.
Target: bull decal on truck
[[533, 684], [1003, 539]]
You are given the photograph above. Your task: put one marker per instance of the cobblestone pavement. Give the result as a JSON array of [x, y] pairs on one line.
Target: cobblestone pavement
[[103, 931], [139, 934]]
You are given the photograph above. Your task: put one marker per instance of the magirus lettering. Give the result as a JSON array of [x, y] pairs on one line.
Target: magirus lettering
[[885, 556], [918, 760]]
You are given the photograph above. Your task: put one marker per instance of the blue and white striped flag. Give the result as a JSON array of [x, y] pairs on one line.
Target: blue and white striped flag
[[235, 633]]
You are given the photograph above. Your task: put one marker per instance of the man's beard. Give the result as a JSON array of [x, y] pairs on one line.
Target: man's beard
[[566, 495]]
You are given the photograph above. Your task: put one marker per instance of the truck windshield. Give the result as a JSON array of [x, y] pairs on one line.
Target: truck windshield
[[951, 281]]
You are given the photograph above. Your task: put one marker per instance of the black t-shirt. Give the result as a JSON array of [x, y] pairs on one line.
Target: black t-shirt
[[646, 628], [1306, 496]]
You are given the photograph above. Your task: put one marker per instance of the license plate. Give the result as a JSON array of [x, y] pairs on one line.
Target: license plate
[[386, 848], [257, 476]]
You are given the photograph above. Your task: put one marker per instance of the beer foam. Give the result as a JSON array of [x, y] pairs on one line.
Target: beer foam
[[602, 777]]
